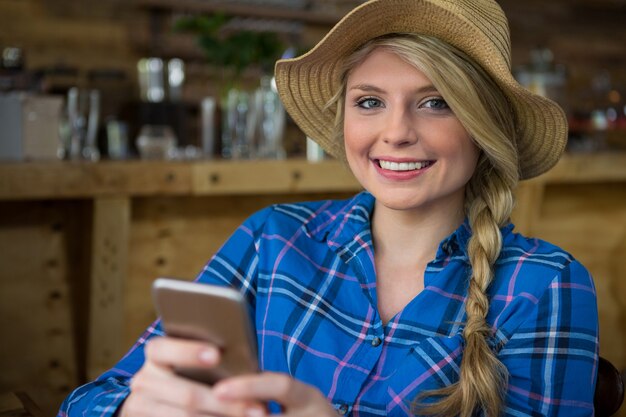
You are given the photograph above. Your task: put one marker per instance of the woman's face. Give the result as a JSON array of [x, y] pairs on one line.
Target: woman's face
[[403, 143]]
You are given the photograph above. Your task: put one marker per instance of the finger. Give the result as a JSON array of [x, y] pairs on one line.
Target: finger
[[170, 352], [268, 386], [141, 406], [158, 385]]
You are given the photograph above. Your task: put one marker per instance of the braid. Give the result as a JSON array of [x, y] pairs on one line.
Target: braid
[[483, 377]]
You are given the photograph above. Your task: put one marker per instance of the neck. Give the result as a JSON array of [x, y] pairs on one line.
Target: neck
[[414, 234]]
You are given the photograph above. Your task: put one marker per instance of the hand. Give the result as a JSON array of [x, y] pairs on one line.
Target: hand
[[157, 391], [297, 398]]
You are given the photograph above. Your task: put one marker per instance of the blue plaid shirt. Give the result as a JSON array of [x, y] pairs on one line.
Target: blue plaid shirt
[[308, 272]]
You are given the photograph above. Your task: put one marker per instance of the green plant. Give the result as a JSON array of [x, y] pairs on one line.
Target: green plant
[[232, 50]]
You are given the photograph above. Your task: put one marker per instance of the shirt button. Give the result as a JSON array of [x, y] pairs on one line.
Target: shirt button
[[343, 409], [376, 341]]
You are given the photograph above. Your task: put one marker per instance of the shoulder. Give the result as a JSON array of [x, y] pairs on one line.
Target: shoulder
[[540, 284], [314, 216], [533, 265], [292, 213], [517, 248]]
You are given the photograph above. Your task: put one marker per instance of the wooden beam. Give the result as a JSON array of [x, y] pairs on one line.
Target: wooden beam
[[65, 179], [109, 262], [231, 8], [256, 177], [528, 202], [62, 180]]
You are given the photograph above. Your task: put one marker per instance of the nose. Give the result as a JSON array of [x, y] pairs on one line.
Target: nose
[[400, 129]]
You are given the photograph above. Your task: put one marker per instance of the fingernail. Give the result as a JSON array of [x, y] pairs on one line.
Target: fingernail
[[255, 412], [221, 390], [208, 356]]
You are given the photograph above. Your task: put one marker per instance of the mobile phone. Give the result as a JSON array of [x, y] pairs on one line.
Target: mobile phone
[[211, 313]]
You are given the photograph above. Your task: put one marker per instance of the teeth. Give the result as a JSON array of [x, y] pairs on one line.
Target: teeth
[[402, 166]]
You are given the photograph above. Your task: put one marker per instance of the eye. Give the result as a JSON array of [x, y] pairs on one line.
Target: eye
[[369, 103], [436, 104]]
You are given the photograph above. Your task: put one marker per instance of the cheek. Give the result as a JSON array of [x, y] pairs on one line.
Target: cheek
[[458, 149], [471, 152], [458, 144], [468, 157], [356, 149], [353, 151], [350, 126], [353, 136]]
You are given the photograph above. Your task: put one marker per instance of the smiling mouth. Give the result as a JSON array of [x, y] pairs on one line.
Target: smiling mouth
[[403, 166]]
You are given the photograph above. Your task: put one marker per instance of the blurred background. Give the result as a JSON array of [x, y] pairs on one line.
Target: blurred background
[[135, 135]]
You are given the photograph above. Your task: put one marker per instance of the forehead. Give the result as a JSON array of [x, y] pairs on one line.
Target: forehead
[[386, 67]]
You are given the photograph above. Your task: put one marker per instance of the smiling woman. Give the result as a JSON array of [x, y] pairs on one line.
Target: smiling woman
[[415, 296]]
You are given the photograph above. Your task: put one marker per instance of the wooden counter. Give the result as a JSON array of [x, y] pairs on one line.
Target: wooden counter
[[80, 244], [64, 180]]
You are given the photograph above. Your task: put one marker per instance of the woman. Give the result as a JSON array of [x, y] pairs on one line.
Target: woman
[[415, 296]]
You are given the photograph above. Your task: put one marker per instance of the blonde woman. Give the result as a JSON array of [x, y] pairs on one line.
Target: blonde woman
[[415, 297]]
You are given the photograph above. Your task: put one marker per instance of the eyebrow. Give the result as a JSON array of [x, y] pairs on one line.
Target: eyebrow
[[372, 88]]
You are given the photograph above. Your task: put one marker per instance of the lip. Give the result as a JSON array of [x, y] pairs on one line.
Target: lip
[[400, 175]]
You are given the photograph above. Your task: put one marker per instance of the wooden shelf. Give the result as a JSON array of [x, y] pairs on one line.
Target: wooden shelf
[[581, 168], [270, 12], [63, 180]]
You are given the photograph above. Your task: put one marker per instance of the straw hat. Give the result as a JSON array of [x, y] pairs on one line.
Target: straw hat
[[477, 27]]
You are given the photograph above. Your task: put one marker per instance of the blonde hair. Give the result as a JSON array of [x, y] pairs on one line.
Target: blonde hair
[[487, 115]]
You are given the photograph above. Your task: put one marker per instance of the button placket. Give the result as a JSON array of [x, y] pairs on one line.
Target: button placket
[[343, 409]]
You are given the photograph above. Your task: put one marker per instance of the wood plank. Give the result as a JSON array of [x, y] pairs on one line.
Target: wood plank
[[35, 180], [109, 262], [37, 347], [253, 177], [19, 404], [529, 199], [10, 405], [57, 179], [587, 168], [265, 11], [62, 179]]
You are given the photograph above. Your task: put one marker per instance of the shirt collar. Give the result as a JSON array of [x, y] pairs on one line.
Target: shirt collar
[[456, 243], [341, 225]]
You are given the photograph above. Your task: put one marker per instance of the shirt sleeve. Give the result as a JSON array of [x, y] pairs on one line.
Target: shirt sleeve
[[235, 264], [552, 358]]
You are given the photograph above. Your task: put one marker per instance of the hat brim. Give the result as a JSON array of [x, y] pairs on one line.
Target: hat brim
[[307, 83]]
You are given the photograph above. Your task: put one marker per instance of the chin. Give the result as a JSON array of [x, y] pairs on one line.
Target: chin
[[398, 204]]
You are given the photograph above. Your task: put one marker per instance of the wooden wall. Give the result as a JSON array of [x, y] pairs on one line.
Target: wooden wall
[[43, 298]]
